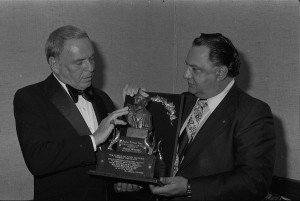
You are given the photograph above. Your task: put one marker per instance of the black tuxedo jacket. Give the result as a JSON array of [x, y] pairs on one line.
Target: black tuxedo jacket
[[55, 141], [233, 154]]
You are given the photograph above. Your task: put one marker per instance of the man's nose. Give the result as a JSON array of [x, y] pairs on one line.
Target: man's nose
[[89, 65], [187, 74]]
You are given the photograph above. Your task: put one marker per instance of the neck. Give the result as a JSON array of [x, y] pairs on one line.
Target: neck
[[219, 87]]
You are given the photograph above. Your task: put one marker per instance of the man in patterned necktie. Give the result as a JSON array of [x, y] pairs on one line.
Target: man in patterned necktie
[[229, 146]]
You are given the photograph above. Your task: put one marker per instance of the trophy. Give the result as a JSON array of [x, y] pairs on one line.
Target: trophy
[[144, 150]]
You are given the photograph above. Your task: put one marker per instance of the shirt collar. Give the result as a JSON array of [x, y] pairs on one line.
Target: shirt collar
[[213, 102], [61, 83]]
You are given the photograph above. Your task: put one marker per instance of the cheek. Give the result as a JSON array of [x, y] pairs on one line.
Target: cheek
[[77, 74], [65, 72], [203, 82], [198, 79]]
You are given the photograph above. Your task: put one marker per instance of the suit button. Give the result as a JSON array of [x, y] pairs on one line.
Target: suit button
[[81, 146]]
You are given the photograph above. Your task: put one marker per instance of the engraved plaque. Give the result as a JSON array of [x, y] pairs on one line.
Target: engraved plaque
[[131, 144], [126, 165]]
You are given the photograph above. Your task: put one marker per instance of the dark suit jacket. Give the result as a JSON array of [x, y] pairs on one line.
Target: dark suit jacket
[[54, 141], [232, 156]]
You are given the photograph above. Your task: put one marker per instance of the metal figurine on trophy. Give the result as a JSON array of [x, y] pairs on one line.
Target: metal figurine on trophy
[[139, 120], [139, 117], [139, 129]]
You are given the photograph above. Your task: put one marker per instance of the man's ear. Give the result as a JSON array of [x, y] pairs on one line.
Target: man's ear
[[54, 65], [222, 73]]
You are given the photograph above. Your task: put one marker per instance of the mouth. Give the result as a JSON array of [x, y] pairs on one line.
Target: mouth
[[88, 77]]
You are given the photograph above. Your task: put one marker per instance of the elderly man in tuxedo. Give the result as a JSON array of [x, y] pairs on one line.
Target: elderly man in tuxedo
[[62, 121], [226, 147]]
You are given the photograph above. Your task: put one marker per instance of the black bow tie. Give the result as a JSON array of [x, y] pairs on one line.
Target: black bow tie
[[87, 94]]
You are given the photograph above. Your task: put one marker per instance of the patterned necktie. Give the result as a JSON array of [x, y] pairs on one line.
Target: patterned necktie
[[194, 121], [191, 130]]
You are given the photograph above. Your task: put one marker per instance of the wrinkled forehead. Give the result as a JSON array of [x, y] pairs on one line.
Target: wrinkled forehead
[[197, 54], [80, 47]]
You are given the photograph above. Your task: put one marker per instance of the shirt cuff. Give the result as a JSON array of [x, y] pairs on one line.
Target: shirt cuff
[[94, 143]]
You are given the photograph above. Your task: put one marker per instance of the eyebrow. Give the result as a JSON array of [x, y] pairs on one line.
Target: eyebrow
[[77, 60], [192, 65], [81, 59]]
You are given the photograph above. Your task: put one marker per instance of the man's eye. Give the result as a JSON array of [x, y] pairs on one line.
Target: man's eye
[[92, 59], [196, 70], [79, 63]]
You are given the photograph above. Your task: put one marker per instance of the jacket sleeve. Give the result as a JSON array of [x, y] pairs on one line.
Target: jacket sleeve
[[254, 153], [42, 153]]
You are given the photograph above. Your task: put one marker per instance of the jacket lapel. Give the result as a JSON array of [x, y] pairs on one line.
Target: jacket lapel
[[214, 125], [189, 103], [61, 100], [99, 108]]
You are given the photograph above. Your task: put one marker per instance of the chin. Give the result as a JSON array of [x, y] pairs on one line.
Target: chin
[[86, 85], [82, 87], [191, 90]]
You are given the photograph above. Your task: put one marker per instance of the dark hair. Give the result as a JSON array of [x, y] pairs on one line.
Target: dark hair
[[222, 51], [57, 38]]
